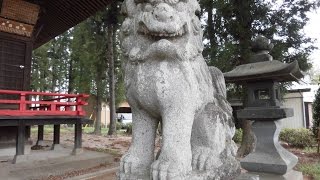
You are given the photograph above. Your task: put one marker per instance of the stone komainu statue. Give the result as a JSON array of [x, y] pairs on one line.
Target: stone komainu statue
[[168, 80]]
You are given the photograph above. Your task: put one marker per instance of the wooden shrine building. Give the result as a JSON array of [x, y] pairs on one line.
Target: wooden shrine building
[[26, 25]]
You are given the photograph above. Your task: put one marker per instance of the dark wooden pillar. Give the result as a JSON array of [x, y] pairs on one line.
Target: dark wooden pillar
[[20, 141], [28, 132], [77, 138], [56, 137], [40, 134], [56, 134]]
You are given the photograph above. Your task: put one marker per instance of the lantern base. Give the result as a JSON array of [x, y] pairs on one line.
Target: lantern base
[[269, 156], [264, 114]]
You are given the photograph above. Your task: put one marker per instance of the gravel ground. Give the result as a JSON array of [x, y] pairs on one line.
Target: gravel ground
[[116, 146]]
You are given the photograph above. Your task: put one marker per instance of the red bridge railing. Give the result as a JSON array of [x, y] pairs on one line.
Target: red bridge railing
[[30, 103]]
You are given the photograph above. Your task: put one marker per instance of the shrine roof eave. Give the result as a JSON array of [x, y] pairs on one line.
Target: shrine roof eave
[[58, 16], [263, 71]]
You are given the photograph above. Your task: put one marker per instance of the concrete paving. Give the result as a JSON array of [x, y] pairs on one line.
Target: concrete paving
[[40, 164]]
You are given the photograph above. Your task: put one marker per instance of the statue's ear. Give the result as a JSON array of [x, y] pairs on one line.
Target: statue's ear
[[124, 10], [129, 8]]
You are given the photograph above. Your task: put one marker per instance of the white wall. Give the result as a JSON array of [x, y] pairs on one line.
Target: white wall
[[294, 101], [105, 112]]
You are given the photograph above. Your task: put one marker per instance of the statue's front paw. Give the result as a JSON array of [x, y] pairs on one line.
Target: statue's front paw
[[169, 169], [133, 167], [205, 159]]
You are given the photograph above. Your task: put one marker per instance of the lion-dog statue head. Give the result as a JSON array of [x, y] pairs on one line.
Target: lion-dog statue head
[[161, 28]]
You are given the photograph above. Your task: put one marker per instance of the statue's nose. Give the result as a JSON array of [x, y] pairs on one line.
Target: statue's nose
[[163, 12]]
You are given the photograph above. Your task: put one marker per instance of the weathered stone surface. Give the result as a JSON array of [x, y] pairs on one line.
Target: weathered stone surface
[[261, 47], [168, 80], [267, 114], [269, 156], [291, 175]]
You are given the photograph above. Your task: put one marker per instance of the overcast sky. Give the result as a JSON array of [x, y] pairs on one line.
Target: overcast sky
[[313, 30]]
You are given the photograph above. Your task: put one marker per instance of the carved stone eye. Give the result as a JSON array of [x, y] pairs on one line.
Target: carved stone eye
[[198, 14]]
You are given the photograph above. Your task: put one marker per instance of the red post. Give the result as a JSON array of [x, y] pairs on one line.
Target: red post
[[68, 108], [58, 107], [78, 107], [22, 102]]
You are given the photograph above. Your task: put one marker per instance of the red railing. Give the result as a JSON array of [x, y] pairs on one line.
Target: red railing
[[29, 103]]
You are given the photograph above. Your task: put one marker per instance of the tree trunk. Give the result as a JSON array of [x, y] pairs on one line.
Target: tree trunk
[[99, 84], [210, 23], [248, 139], [113, 120], [70, 78], [97, 125], [242, 12]]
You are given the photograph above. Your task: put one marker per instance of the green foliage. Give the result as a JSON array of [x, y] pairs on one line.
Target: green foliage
[[77, 61], [310, 169], [90, 130], [230, 27], [120, 125], [50, 65], [299, 138], [237, 138], [316, 114], [129, 128]]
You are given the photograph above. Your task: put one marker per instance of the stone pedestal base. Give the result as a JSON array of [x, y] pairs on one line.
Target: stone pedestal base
[[77, 151], [20, 159], [269, 156], [57, 147], [40, 143], [292, 175]]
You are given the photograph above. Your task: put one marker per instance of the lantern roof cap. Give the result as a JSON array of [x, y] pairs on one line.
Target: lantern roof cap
[[266, 70], [263, 67]]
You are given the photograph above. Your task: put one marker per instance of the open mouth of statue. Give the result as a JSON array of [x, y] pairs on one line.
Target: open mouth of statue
[[164, 34]]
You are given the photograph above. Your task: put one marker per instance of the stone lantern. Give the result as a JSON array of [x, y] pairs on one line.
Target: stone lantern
[[261, 77]]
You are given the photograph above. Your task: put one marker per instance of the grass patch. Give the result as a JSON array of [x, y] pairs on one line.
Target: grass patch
[[311, 170], [310, 150], [89, 130]]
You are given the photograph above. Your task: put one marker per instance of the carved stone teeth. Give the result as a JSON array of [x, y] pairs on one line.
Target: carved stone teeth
[[144, 30]]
